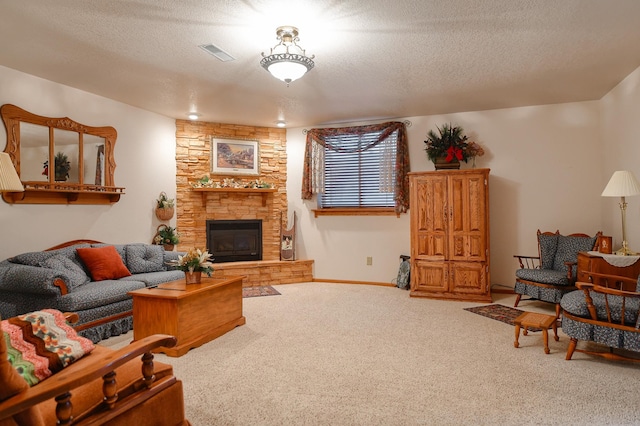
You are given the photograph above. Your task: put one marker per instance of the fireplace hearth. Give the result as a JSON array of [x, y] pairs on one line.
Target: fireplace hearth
[[234, 240]]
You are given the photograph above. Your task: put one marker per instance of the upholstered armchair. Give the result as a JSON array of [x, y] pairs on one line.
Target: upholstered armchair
[[551, 274], [605, 315]]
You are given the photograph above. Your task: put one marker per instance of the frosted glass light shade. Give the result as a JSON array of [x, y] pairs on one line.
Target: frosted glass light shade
[[622, 184], [9, 179], [287, 71]]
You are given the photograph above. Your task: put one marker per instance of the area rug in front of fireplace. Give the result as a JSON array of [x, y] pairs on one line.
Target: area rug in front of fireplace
[[499, 312], [264, 290]]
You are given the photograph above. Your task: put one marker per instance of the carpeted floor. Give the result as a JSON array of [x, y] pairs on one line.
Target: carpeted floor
[[354, 355], [499, 312], [265, 290]]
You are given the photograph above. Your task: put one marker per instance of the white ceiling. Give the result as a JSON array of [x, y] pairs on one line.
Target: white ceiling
[[375, 59]]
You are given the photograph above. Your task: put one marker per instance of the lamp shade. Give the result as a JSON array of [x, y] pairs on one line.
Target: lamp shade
[[9, 179], [622, 184]]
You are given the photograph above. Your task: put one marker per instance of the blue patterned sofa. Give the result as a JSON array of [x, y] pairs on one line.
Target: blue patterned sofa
[[552, 273], [604, 315], [59, 279]]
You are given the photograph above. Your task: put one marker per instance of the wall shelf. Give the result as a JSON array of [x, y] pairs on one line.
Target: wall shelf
[[264, 192], [63, 193]]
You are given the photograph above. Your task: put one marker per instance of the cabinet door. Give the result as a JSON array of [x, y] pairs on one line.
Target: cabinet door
[[468, 278], [429, 276], [429, 217], [468, 217]]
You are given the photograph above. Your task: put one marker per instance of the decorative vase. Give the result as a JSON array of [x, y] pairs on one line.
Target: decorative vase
[[168, 247], [194, 277], [441, 164]]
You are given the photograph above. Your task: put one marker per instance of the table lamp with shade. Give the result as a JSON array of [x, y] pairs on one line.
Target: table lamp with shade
[[9, 179], [622, 184]]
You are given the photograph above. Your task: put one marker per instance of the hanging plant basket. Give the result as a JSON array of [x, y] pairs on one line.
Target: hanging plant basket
[[164, 207], [165, 213]]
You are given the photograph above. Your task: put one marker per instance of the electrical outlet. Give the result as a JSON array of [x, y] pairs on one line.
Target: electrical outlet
[[369, 261]]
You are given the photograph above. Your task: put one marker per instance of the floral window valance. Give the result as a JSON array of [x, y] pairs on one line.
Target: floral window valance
[[320, 139]]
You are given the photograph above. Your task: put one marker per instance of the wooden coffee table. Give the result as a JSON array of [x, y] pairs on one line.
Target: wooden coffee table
[[193, 313]]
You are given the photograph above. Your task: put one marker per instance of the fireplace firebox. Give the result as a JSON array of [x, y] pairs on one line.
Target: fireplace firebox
[[234, 240]]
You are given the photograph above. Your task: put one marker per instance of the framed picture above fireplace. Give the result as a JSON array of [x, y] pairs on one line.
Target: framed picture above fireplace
[[235, 157]]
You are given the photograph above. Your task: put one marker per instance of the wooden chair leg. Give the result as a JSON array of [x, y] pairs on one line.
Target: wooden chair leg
[[515, 305], [571, 348]]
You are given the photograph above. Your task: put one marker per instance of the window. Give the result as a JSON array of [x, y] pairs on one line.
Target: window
[[360, 172], [360, 168]]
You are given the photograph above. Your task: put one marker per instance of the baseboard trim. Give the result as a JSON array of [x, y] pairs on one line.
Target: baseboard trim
[[353, 282]]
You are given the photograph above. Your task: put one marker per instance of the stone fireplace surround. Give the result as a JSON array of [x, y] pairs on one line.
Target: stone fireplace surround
[[193, 208]]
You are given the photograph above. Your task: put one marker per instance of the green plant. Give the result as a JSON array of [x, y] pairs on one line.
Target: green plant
[[164, 201], [449, 143], [167, 235], [194, 260], [62, 166]]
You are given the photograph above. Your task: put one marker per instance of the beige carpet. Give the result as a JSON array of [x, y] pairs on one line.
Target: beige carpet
[[334, 354]]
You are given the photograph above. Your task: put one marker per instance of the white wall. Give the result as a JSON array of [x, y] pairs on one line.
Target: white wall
[[545, 163], [144, 155], [620, 138], [548, 164]]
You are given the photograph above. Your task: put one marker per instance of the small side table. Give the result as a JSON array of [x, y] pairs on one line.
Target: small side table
[[542, 321]]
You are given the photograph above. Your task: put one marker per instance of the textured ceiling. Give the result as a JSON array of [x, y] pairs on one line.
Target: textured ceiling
[[375, 59]]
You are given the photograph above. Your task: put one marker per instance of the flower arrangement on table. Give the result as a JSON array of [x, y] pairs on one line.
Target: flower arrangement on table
[[195, 260]]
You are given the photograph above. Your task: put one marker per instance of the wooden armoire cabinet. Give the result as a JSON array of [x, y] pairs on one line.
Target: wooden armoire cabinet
[[449, 213]]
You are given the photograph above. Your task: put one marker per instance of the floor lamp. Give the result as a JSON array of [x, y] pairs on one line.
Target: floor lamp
[[9, 179], [622, 184]]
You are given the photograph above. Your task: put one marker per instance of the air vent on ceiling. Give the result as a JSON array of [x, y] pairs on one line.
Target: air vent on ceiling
[[217, 52]]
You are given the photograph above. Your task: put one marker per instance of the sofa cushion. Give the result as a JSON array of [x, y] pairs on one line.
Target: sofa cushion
[[120, 248], [99, 295], [103, 263], [36, 257], [12, 383], [141, 258], [76, 274], [568, 248], [41, 343], [155, 278]]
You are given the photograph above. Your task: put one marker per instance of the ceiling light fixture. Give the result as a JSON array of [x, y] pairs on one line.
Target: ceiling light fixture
[[281, 123], [193, 115], [287, 61]]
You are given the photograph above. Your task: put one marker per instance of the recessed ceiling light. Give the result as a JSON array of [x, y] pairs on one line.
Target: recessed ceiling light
[[281, 123], [193, 115]]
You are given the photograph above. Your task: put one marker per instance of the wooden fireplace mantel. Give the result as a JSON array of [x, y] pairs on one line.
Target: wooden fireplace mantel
[[264, 192]]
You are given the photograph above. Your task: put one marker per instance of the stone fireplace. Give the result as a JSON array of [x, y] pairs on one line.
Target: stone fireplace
[[234, 240], [195, 209]]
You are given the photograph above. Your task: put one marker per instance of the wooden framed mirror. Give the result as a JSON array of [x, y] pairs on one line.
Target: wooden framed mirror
[[60, 161]]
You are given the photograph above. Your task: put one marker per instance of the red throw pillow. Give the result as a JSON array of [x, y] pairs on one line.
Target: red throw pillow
[[103, 263]]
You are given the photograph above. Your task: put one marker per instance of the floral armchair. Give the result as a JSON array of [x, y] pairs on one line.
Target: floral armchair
[[551, 274], [605, 315]]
